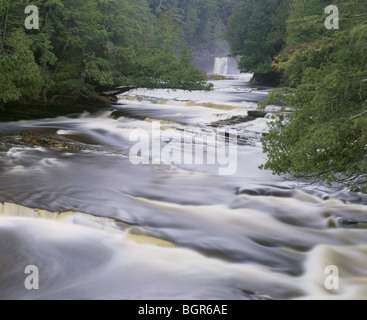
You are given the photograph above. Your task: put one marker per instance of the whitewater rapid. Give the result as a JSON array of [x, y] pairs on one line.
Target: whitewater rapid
[[99, 227]]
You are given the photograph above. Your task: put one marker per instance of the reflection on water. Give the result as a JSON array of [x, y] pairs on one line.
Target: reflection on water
[[113, 230]]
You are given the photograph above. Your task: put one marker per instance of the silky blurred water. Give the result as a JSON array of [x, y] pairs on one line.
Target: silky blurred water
[[114, 230]]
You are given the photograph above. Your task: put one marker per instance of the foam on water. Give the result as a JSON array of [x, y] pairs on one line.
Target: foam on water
[[107, 229]]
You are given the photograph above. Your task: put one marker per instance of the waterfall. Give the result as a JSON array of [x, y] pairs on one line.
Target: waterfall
[[221, 66]]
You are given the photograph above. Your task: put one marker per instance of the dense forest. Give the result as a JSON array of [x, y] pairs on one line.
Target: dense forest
[[203, 22], [85, 47], [324, 80]]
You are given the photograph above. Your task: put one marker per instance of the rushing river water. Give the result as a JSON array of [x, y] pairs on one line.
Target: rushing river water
[[114, 230]]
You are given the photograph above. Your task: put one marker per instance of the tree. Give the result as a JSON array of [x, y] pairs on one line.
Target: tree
[[325, 139], [19, 75], [164, 60], [85, 47], [256, 32], [202, 21]]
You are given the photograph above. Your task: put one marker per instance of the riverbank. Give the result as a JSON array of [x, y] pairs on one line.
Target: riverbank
[[17, 111], [24, 110]]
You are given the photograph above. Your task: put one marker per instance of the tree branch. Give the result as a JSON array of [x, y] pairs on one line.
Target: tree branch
[[358, 115]]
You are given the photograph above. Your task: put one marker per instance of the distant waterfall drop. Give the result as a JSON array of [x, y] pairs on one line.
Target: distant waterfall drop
[[221, 66]]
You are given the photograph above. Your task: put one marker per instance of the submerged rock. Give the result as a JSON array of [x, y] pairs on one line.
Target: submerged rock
[[48, 141], [251, 116], [343, 223], [230, 122], [351, 224], [267, 192]]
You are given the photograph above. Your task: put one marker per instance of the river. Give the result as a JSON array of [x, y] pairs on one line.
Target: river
[[98, 225]]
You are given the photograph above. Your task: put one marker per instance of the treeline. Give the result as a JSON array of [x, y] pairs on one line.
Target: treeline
[[325, 82], [90, 46], [203, 21]]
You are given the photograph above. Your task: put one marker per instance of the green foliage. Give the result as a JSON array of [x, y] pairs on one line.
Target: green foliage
[[86, 46], [325, 139], [306, 21], [203, 21], [165, 57], [256, 32], [19, 75]]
